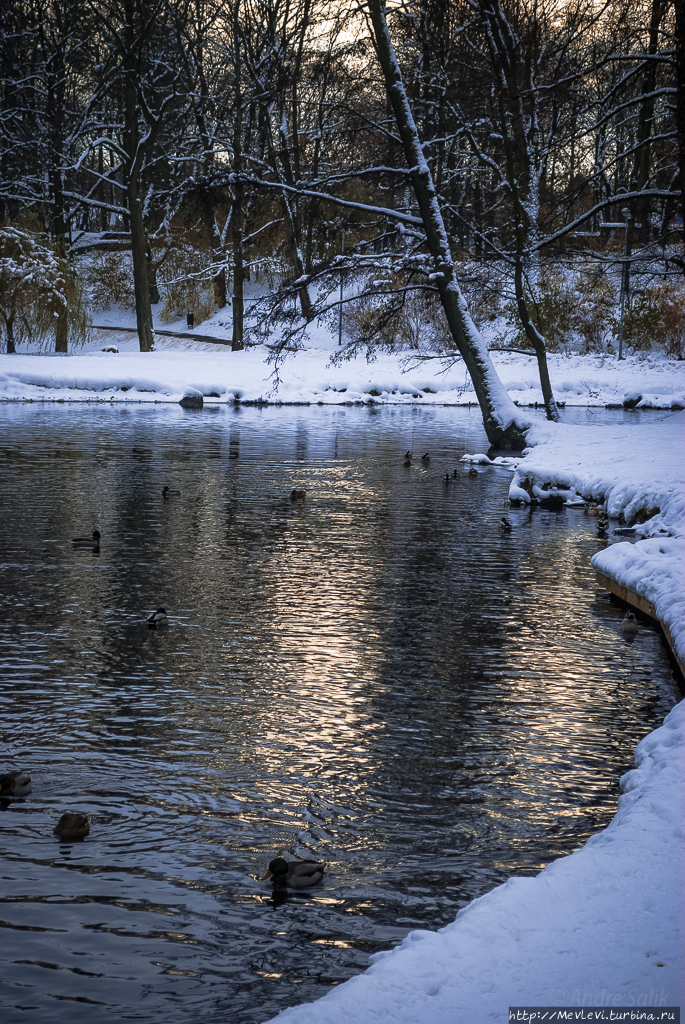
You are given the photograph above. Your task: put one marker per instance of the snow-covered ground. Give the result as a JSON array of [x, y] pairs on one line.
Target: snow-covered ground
[[308, 376]]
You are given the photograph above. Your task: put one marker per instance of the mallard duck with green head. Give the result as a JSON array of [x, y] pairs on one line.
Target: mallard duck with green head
[[294, 874], [158, 618]]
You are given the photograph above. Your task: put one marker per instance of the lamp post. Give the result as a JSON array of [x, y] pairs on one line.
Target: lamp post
[[628, 217]]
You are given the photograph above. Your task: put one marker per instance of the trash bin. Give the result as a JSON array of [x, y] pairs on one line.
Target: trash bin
[[190, 319]]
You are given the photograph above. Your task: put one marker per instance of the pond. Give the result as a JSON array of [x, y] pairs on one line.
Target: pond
[[376, 676]]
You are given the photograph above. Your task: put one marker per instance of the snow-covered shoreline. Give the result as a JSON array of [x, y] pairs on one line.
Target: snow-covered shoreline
[[310, 377]]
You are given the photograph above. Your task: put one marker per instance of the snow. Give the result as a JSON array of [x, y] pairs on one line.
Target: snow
[[630, 468], [309, 376], [655, 569]]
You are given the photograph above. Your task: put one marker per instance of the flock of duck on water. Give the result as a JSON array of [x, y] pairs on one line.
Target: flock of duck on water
[[284, 874], [299, 874]]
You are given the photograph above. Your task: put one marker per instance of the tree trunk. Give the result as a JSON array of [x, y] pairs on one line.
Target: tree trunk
[[237, 342], [538, 343], [139, 257], [523, 181], [503, 423], [54, 107], [680, 100], [642, 166], [135, 207], [11, 350], [151, 273], [237, 213], [61, 329]]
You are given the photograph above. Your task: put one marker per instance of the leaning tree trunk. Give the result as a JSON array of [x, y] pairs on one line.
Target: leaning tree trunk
[[538, 343], [503, 423]]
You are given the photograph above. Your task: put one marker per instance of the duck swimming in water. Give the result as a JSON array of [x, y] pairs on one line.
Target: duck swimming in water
[[16, 783], [296, 495], [629, 625], [91, 543], [297, 874], [505, 525], [168, 493], [158, 618], [72, 826]]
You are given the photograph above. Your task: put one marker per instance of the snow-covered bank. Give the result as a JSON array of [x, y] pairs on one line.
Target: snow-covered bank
[[638, 474], [603, 926], [632, 469], [655, 570], [308, 376]]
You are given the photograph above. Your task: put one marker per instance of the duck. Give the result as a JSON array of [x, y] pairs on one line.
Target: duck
[[592, 510], [455, 473], [91, 543], [425, 458], [72, 826], [158, 618], [505, 525], [407, 460], [16, 783], [447, 478], [602, 526], [473, 471], [168, 493], [297, 874], [296, 495], [629, 625]]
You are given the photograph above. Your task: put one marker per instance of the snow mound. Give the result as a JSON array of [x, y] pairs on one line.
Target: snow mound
[[637, 471]]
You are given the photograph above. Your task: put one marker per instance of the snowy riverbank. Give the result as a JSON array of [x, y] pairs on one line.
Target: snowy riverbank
[[309, 377], [602, 927]]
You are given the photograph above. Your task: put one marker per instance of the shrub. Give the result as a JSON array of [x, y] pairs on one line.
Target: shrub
[[110, 277], [185, 277], [655, 315], [594, 307], [417, 321], [40, 293]]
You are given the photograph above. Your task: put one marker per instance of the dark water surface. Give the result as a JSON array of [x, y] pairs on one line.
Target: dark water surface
[[376, 677]]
